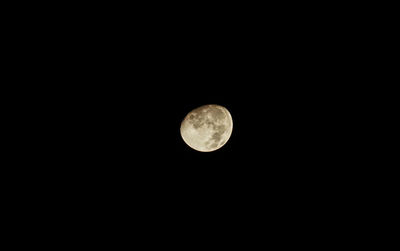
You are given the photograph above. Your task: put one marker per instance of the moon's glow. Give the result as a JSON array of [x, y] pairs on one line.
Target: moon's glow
[[207, 128]]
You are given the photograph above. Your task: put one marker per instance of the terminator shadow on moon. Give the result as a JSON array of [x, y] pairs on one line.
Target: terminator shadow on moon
[[207, 128]]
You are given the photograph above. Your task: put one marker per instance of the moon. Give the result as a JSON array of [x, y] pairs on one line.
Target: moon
[[207, 128]]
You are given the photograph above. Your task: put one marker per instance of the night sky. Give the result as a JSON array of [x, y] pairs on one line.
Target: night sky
[[123, 90]]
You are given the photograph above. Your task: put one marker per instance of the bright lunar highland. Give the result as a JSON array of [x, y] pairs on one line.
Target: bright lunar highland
[[207, 128]]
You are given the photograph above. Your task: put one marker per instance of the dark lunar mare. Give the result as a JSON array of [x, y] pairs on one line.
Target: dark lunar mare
[[217, 113], [216, 137], [196, 119]]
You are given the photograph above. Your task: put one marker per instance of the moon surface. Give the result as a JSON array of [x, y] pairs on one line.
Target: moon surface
[[207, 128]]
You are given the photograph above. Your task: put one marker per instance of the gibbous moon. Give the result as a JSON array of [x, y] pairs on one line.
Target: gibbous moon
[[207, 128]]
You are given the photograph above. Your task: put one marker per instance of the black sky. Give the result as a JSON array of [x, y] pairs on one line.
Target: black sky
[[280, 79], [126, 83]]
